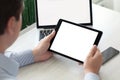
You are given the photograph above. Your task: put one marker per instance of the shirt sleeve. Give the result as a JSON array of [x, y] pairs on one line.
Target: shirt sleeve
[[23, 58], [91, 76]]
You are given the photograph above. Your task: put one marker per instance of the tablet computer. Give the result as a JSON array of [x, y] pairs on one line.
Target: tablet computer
[[74, 41]]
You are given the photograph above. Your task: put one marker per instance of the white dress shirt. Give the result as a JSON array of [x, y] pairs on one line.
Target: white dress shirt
[[8, 68], [9, 65], [91, 76]]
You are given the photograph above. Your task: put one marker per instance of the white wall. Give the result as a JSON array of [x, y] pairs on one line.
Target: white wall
[[108, 3], [105, 3], [116, 4], [96, 1], [112, 4]]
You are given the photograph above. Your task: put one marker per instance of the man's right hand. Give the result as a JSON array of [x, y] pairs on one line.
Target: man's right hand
[[94, 61]]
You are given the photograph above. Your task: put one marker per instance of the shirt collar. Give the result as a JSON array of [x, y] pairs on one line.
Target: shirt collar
[[9, 65]]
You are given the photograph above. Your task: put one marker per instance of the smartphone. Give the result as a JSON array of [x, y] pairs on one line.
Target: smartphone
[[109, 53]]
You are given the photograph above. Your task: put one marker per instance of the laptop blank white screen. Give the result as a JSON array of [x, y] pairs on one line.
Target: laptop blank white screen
[[50, 11], [73, 41]]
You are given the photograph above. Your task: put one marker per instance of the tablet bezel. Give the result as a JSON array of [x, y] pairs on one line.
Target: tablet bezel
[[57, 28]]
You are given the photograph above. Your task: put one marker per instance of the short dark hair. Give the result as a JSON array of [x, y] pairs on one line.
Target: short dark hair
[[9, 8]]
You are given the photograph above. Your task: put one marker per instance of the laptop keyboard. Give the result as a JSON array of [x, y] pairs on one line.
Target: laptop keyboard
[[44, 33]]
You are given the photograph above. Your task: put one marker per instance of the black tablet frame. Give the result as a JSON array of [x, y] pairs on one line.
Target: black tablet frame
[[57, 28]]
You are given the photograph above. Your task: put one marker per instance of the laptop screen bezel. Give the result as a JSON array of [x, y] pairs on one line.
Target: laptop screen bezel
[[51, 26]]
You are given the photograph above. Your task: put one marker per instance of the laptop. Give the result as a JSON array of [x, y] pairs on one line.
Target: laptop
[[48, 13]]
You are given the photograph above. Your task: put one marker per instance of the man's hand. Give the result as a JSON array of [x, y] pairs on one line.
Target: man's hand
[[41, 52], [94, 61]]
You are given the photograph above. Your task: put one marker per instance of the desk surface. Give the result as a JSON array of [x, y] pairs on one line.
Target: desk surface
[[60, 68]]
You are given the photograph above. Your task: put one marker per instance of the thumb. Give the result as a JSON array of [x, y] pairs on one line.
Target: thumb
[[92, 51], [51, 35]]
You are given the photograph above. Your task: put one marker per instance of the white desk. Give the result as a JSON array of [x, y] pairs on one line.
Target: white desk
[[60, 68]]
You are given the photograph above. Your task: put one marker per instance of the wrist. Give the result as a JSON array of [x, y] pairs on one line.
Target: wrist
[[91, 71], [91, 76], [39, 57], [35, 55]]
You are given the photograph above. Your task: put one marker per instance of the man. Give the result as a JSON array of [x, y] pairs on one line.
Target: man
[[10, 25]]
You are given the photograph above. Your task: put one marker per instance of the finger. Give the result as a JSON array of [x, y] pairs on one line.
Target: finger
[[92, 51], [50, 36], [98, 54], [80, 63]]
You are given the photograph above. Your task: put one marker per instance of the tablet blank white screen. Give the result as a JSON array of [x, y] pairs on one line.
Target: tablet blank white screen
[[74, 41], [50, 11]]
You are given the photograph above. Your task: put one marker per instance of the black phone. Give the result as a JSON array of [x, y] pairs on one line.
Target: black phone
[[109, 53]]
